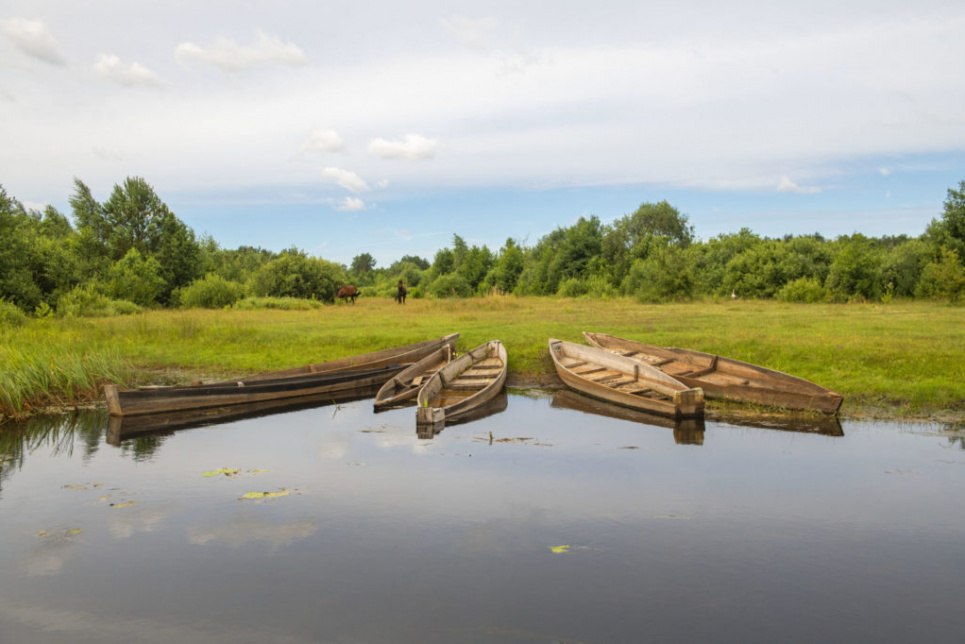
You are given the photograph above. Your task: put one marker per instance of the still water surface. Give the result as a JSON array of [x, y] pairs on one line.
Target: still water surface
[[713, 533]]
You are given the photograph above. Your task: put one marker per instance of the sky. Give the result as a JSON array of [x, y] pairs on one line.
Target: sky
[[387, 126]]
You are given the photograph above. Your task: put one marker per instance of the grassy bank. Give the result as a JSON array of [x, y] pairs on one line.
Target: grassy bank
[[899, 360]]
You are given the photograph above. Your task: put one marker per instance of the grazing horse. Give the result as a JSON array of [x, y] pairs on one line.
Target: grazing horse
[[401, 293], [347, 292]]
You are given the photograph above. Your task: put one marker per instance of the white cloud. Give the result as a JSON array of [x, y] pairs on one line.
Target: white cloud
[[33, 39], [413, 147], [110, 68], [472, 32], [884, 172], [351, 204], [786, 185], [324, 141], [347, 179], [231, 58]]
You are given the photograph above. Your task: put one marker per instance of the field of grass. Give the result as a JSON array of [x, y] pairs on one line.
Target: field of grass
[[896, 360]]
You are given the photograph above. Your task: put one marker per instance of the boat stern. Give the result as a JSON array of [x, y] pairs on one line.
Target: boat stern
[[689, 402]]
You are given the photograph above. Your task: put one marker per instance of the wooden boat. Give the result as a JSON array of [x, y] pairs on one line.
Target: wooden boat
[[725, 378], [335, 377], [405, 385], [463, 385], [153, 400], [620, 380], [121, 428]]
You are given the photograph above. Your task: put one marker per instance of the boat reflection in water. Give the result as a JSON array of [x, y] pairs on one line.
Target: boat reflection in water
[[120, 428], [691, 431], [494, 406], [686, 431]]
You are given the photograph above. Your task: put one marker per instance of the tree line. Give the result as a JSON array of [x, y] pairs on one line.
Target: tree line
[[132, 252]]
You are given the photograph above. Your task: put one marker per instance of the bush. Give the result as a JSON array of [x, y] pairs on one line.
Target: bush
[[88, 302], [280, 303], [572, 287], [803, 289], [11, 315], [210, 292], [450, 285], [943, 280]]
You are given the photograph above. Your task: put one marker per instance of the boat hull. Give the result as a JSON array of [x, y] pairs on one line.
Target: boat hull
[[725, 378], [463, 385], [619, 380]]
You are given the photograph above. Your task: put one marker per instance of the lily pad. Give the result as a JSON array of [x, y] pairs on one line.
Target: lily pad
[[125, 504], [558, 550], [227, 471], [265, 495]]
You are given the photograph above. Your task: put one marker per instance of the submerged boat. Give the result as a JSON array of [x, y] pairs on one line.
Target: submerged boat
[[613, 378], [405, 385], [725, 378], [335, 377], [463, 385]]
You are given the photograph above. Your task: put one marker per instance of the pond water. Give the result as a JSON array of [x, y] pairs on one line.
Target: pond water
[[548, 520]]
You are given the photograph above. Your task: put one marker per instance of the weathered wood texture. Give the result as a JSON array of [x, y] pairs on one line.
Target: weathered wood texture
[[336, 377], [725, 378], [619, 380], [405, 386], [466, 383]]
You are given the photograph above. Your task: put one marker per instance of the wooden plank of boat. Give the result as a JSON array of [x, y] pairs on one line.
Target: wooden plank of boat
[[168, 399], [120, 428], [406, 354], [623, 381], [725, 378], [405, 385], [465, 384]]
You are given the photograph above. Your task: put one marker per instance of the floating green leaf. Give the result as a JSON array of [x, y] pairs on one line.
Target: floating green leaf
[[227, 471], [265, 495], [125, 504], [558, 550]]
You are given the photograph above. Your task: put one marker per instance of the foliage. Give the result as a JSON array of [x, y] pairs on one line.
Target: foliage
[[949, 231], [135, 278], [87, 301], [803, 289], [451, 285], [943, 279], [210, 292], [295, 274], [11, 315], [665, 275], [854, 270]]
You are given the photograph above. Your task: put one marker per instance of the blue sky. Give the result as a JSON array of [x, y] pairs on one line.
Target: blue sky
[[386, 127]]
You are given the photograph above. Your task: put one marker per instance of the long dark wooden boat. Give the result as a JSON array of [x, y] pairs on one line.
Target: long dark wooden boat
[[463, 385], [405, 385], [623, 381], [335, 377], [153, 400], [725, 378]]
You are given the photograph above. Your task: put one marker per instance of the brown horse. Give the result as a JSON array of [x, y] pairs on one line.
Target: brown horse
[[401, 293], [347, 292]]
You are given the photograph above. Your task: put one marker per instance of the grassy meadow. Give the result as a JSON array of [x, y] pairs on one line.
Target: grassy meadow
[[895, 360]]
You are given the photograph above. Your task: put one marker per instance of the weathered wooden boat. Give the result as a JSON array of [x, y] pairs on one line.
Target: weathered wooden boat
[[335, 377], [121, 428], [623, 381], [152, 400], [463, 385], [406, 354], [405, 385], [725, 378]]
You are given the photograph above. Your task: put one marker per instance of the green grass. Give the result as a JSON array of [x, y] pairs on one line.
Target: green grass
[[897, 360]]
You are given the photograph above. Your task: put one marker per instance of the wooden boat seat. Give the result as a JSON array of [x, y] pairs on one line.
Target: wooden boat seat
[[574, 364], [470, 383], [593, 369]]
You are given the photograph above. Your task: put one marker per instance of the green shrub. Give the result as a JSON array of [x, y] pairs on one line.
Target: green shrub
[[88, 302], [572, 287], [944, 279], [280, 303], [803, 289], [450, 285], [210, 292], [11, 315]]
